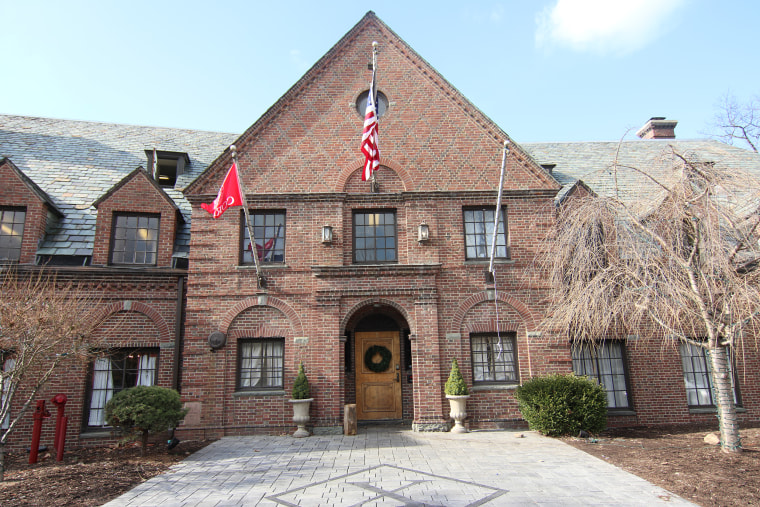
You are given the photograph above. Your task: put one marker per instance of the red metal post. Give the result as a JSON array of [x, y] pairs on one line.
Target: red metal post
[[60, 401], [39, 414], [62, 439]]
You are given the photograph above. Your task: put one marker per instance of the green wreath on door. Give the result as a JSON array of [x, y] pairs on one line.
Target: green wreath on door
[[385, 358]]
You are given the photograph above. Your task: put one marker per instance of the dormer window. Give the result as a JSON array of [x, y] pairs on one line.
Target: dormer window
[[11, 232], [135, 239], [167, 167]]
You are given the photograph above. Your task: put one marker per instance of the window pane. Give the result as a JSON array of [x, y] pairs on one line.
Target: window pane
[[478, 234], [605, 363], [269, 232], [493, 358], [375, 237], [261, 363], [119, 370], [135, 239], [11, 233]]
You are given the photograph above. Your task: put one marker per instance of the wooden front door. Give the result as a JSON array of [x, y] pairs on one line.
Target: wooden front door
[[378, 393]]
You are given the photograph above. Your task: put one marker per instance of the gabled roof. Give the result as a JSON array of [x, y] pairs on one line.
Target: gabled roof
[[32, 186], [139, 171], [75, 163], [267, 136]]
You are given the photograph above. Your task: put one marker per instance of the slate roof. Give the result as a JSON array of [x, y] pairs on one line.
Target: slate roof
[[75, 163], [591, 162]]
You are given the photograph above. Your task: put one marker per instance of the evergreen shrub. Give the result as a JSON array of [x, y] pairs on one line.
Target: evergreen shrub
[[139, 411], [557, 405], [301, 390], [455, 385]]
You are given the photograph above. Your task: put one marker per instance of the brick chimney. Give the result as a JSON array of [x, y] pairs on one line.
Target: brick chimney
[[658, 128]]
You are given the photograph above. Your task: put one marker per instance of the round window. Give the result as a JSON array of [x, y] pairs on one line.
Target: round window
[[361, 103]]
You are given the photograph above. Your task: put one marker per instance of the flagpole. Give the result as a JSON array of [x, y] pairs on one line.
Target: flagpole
[[373, 180], [498, 206], [259, 278]]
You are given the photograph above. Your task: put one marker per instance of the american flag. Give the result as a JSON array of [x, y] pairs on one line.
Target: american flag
[[370, 146]]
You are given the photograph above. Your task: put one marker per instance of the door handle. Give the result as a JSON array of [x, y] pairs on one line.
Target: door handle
[[398, 379]]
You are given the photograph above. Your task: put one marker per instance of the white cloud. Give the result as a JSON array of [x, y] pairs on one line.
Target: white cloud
[[604, 26]]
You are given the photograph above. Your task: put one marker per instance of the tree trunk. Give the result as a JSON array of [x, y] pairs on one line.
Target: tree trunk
[[144, 442], [2, 461], [723, 393]]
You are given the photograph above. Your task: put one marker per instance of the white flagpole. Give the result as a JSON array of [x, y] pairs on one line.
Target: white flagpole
[[259, 278], [373, 93], [498, 207]]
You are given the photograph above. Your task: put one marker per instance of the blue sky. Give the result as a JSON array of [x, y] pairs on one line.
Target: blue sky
[[548, 70]]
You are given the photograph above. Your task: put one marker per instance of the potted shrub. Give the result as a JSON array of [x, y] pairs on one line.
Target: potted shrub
[[301, 401], [457, 394]]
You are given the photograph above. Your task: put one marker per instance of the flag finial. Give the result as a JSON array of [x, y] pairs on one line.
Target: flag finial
[[233, 149]]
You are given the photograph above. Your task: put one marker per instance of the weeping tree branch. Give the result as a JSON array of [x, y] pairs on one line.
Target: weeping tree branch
[[679, 260]]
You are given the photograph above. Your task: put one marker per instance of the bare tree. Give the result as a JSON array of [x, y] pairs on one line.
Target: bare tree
[[735, 121], [679, 261], [44, 324]]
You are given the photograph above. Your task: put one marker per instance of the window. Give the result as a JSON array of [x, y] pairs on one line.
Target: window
[[494, 360], [478, 234], [260, 363], [168, 166], [374, 236], [269, 232], [604, 362], [11, 232], [361, 103], [696, 376], [121, 369], [8, 365], [135, 239]]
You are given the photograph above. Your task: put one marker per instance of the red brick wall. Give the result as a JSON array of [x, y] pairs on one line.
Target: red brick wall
[[139, 310]]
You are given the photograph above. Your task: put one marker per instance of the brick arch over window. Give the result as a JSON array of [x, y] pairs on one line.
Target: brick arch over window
[[290, 314], [369, 302], [403, 174], [528, 318], [102, 313]]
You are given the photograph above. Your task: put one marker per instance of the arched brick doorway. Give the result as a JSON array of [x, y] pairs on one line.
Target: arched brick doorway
[[376, 335]]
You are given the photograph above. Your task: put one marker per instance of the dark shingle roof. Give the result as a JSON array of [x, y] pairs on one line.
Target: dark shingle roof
[[76, 162]]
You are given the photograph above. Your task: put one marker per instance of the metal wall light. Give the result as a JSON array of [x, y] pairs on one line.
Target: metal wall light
[[423, 233], [327, 234]]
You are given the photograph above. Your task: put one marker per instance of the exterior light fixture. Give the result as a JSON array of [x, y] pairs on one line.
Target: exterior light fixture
[[327, 234], [423, 233]]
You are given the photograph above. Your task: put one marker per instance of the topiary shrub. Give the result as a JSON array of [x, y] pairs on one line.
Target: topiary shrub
[[563, 404], [301, 390], [455, 385], [139, 411]]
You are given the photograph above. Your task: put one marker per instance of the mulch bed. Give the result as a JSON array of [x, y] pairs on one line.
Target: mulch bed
[[678, 459]]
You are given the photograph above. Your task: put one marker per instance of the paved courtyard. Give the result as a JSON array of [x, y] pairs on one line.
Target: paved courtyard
[[392, 467]]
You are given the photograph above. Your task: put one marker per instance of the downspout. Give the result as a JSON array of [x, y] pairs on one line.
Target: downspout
[[178, 324]]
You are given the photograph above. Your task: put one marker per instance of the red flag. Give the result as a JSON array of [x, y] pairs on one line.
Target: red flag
[[229, 195], [370, 146], [262, 251]]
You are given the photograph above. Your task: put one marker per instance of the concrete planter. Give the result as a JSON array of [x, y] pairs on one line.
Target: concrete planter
[[301, 416], [458, 406]]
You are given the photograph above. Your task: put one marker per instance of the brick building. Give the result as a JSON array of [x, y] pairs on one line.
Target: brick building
[[349, 277]]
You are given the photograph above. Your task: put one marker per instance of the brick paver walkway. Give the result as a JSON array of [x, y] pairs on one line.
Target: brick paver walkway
[[389, 467]]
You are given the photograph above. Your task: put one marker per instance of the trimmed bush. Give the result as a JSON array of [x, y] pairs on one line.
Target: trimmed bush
[[301, 390], [139, 411], [455, 385], [563, 404]]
